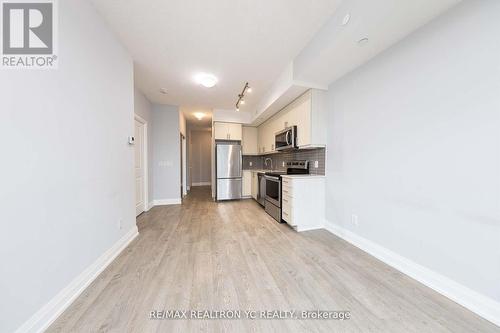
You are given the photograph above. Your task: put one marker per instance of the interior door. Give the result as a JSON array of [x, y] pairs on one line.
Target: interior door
[[139, 167]]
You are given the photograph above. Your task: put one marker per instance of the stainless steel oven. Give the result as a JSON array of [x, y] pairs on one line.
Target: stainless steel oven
[[286, 139], [273, 196]]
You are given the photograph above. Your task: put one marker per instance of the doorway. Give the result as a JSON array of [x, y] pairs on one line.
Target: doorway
[[141, 165]]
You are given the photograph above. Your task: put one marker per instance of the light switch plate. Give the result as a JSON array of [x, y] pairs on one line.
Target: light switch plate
[[316, 164], [250, 163]]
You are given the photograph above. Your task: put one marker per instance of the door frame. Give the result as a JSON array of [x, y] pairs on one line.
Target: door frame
[[184, 165], [145, 170]]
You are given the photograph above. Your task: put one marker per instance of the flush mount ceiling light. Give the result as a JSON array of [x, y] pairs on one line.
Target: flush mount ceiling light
[[346, 19], [199, 115], [205, 79], [163, 91], [241, 96]]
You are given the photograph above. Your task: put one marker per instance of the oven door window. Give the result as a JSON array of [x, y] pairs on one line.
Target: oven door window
[[273, 189]]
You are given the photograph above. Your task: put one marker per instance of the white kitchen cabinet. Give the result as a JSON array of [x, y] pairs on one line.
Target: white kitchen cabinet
[[266, 133], [227, 131], [303, 201], [235, 131], [307, 112], [247, 183], [255, 185], [249, 141]]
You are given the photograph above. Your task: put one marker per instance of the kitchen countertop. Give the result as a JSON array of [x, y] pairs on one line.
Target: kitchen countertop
[[261, 170], [302, 176]]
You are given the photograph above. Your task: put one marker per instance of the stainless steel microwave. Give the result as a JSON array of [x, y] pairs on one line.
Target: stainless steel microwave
[[286, 139]]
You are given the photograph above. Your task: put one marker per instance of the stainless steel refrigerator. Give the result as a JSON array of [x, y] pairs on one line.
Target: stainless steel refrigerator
[[228, 171]]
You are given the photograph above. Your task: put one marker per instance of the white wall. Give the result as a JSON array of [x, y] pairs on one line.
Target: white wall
[[67, 170], [182, 123], [166, 153], [414, 148], [200, 158], [144, 109]]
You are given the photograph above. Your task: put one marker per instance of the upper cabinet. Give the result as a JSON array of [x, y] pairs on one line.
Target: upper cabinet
[[307, 112], [227, 131], [249, 141]]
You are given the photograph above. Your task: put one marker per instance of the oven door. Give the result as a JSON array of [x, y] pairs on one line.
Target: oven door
[[273, 190]]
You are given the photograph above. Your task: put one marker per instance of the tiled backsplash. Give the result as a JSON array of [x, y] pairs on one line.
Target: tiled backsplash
[[318, 154]]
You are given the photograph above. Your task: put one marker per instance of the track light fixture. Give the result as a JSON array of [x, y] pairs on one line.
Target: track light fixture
[[241, 96]]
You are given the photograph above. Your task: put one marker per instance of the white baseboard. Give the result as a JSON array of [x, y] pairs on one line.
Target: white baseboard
[[164, 202], [44, 317], [201, 184], [309, 228], [150, 205], [485, 307]]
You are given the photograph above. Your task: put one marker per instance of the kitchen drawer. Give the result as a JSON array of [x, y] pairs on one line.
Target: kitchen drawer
[[285, 190], [286, 181], [287, 217], [287, 206], [287, 200]]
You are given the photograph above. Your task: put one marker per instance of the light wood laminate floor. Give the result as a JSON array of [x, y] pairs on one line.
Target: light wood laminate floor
[[219, 256]]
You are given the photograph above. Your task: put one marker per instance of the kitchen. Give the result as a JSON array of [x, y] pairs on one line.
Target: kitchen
[[278, 162]]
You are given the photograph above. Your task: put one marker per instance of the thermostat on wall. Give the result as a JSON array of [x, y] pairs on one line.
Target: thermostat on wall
[[131, 140]]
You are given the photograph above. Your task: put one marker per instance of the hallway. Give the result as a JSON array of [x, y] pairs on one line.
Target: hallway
[[232, 256]]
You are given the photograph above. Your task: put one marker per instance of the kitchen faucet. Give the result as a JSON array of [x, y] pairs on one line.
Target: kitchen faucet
[[268, 159]]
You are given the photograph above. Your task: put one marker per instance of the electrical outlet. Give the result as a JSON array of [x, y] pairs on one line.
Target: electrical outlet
[[283, 164], [250, 163], [120, 222], [354, 219], [316, 164]]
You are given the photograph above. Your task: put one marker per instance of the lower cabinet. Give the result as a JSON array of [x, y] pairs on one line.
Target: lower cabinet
[[303, 202], [247, 183], [255, 185]]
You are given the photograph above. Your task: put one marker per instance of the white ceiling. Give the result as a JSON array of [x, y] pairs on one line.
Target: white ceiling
[[334, 50], [243, 40], [237, 40]]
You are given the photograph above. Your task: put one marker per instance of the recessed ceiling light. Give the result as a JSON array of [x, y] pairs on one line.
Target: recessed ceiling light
[[237, 109], [346, 19], [249, 89], [206, 80], [199, 115], [242, 102], [363, 41], [163, 91]]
